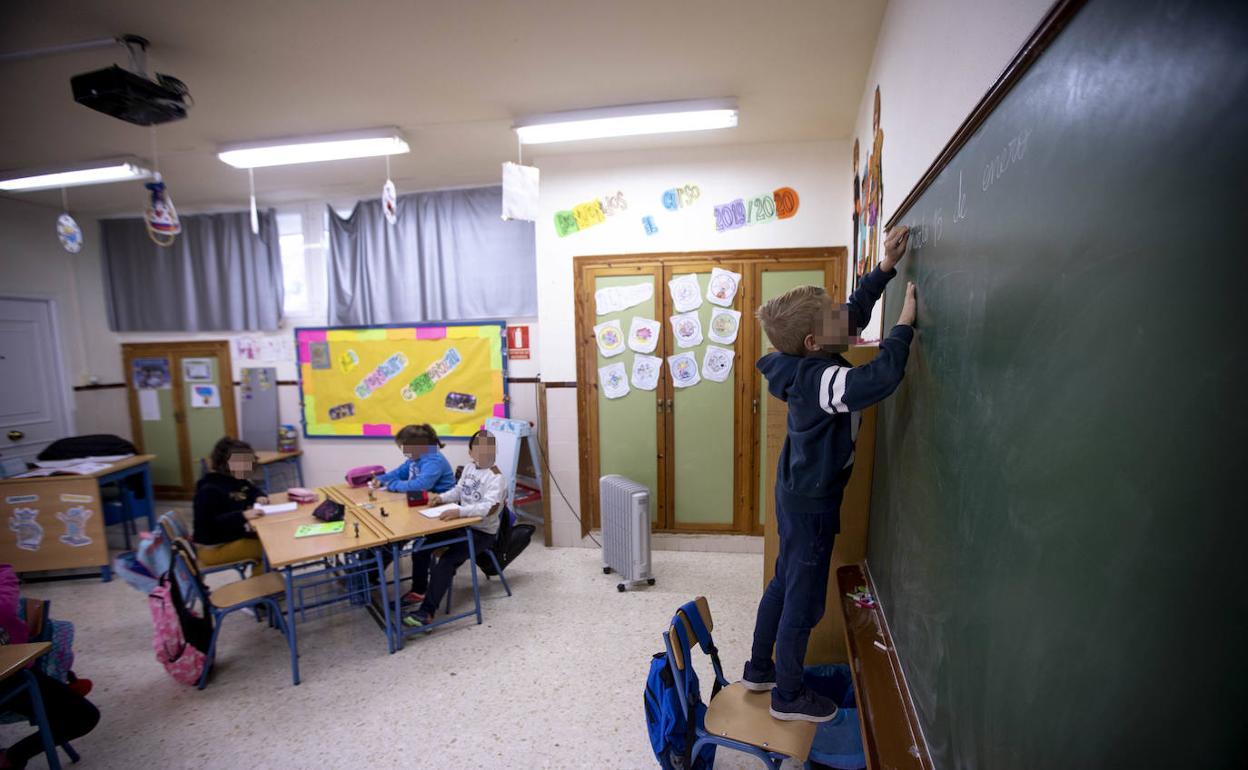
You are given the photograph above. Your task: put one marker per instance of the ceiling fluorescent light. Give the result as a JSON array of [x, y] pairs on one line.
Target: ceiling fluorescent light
[[627, 120], [97, 172], [314, 149]]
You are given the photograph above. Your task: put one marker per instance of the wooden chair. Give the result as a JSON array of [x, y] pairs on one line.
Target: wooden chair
[[173, 528], [261, 590], [736, 718]]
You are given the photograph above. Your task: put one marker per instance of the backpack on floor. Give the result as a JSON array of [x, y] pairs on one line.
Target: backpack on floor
[[181, 636], [511, 540], [671, 735]]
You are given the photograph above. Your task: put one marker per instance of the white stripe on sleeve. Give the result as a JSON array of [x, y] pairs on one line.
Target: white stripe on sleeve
[[824, 380], [838, 389]]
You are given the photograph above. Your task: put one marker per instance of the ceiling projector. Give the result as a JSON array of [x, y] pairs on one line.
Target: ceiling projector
[[129, 94]]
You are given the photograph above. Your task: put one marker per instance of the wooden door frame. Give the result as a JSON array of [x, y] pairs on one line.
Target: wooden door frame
[[175, 352], [587, 268]]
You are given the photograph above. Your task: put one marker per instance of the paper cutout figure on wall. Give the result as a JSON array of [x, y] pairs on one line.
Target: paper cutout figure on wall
[[29, 533], [646, 371], [341, 411], [614, 380], [613, 299], [686, 294], [390, 202], [610, 338], [688, 330], [872, 200], [724, 325], [722, 288], [684, 369], [75, 526], [643, 334], [717, 363], [205, 397], [347, 361], [647, 222]]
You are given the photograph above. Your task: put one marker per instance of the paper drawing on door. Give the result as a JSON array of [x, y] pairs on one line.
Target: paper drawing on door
[[75, 526], [29, 533]]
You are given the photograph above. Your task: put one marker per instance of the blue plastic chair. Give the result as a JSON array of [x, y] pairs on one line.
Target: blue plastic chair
[[248, 593], [39, 718], [736, 718]]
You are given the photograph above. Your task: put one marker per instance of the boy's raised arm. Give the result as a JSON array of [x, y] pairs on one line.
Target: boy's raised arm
[[868, 292], [851, 388]]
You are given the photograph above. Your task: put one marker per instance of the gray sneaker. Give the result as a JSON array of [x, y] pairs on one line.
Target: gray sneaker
[[807, 706]]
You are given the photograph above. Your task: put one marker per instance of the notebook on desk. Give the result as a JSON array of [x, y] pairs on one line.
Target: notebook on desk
[[324, 528]]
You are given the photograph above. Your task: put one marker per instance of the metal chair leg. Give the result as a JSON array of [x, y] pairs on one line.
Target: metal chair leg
[[69, 752], [499, 569], [212, 650], [41, 719]]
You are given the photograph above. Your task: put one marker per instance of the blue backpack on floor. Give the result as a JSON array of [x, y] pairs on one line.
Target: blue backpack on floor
[[671, 734]]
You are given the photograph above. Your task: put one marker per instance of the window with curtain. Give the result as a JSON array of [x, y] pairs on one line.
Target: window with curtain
[[449, 257], [217, 275]]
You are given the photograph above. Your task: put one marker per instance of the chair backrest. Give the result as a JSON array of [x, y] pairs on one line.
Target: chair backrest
[[184, 554], [691, 625], [172, 526]]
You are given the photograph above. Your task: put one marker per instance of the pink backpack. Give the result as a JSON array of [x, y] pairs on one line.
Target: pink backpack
[[180, 658]]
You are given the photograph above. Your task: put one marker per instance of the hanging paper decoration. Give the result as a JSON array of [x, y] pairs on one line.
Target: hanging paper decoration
[[717, 363], [390, 202], [520, 192], [643, 334], [610, 338], [724, 325], [69, 233], [684, 369], [722, 287], [646, 372], [160, 216], [614, 380], [685, 293], [613, 299], [688, 330]]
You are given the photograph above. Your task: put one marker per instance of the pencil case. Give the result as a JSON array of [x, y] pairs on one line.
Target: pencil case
[[358, 477]]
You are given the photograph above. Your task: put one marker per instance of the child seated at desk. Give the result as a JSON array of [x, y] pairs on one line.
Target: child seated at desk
[[224, 506], [479, 493], [425, 470]]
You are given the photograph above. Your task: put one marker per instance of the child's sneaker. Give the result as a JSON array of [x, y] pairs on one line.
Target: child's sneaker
[[759, 678], [411, 597], [416, 619], [808, 706]]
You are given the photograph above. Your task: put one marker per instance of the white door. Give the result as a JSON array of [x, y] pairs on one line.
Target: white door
[[34, 407]]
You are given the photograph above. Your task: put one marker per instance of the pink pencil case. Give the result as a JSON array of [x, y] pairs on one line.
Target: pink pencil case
[[358, 477]]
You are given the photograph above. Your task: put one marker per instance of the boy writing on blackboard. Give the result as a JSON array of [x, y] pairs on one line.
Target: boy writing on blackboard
[[825, 395]]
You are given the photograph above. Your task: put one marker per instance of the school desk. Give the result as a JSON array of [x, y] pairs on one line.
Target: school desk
[[267, 462], [57, 522], [13, 661], [407, 530], [311, 556]]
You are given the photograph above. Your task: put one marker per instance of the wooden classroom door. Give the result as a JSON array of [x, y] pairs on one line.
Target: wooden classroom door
[[702, 446], [181, 403], [627, 428], [770, 280]]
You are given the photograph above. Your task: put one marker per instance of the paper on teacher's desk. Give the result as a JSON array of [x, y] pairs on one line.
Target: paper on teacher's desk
[[107, 459], [438, 510], [269, 510]]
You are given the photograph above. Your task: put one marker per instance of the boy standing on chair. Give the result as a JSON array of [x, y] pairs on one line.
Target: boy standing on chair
[[825, 396]]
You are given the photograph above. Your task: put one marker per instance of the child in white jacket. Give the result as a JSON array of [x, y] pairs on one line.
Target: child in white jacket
[[479, 492]]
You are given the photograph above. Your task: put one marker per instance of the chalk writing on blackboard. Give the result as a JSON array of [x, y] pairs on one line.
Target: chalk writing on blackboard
[[1013, 152]]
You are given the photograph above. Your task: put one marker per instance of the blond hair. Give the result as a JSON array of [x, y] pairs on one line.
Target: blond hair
[[787, 319]]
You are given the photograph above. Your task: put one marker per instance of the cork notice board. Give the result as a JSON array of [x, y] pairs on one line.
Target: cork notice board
[[52, 525]]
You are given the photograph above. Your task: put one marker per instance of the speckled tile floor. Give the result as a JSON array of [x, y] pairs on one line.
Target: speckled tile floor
[[552, 679]]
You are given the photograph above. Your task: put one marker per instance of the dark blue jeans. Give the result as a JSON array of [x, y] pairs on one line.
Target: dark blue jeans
[[793, 601]]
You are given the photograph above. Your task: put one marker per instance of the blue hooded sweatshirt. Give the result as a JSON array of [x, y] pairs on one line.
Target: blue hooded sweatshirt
[[430, 472], [825, 396]]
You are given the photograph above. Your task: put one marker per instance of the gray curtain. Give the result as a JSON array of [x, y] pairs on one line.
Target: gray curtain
[[217, 275], [449, 257]]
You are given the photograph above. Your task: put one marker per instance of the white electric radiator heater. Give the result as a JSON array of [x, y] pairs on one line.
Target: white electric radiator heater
[[625, 511]]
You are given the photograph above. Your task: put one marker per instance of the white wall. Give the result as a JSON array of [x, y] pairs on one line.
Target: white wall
[[816, 170], [933, 62]]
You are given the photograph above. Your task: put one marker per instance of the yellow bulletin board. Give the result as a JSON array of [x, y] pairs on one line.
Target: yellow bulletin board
[[370, 381]]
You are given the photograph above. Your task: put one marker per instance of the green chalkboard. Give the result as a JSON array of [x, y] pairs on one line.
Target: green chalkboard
[[1057, 527]]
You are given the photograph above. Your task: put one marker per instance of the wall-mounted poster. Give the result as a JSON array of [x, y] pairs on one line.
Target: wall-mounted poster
[[151, 374], [613, 380], [197, 369]]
